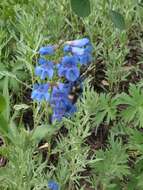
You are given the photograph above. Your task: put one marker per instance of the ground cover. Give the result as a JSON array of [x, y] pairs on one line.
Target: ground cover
[[99, 147]]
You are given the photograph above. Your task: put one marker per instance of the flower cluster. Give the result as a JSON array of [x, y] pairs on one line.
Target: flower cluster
[[58, 79], [82, 49]]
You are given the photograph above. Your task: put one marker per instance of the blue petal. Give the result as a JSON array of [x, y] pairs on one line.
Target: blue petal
[[52, 185], [78, 51], [79, 43], [47, 96], [50, 73], [38, 71], [42, 61], [61, 71], [69, 61], [72, 74], [33, 95], [65, 87], [50, 64], [67, 48], [89, 49], [71, 110], [35, 86], [85, 59], [39, 97], [58, 65], [47, 50], [43, 75], [45, 87], [40, 92]]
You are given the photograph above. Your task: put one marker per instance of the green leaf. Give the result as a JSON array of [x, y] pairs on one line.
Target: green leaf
[[2, 104], [118, 20], [81, 7], [3, 125], [42, 132], [6, 112]]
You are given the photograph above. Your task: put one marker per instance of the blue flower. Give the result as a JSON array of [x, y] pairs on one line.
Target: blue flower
[[82, 49], [74, 50], [67, 48], [78, 43], [46, 69], [63, 108], [47, 50], [59, 94], [40, 92], [85, 59], [52, 185], [77, 50], [61, 104], [89, 48], [42, 61], [68, 68], [70, 109], [58, 113]]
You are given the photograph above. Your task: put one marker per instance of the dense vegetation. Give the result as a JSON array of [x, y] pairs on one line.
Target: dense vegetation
[[100, 146]]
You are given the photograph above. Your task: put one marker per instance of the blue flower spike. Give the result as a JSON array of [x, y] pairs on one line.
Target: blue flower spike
[[47, 50], [52, 185], [57, 94]]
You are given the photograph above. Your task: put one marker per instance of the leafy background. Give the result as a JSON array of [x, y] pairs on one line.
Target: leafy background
[[101, 146]]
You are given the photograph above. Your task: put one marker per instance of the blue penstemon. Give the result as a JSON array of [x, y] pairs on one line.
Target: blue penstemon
[[44, 70], [47, 50], [81, 48], [40, 92], [69, 68], [61, 76]]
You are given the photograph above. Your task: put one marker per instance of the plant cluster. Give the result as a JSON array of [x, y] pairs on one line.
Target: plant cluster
[[63, 76], [43, 145]]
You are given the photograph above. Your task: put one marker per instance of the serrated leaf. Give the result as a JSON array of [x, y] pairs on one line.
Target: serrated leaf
[[2, 104], [81, 7], [118, 20]]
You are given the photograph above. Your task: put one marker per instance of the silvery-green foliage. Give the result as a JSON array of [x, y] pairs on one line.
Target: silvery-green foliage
[[112, 164]]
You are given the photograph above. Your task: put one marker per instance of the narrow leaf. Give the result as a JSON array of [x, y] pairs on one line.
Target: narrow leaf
[[3, 125], [2, 104]]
